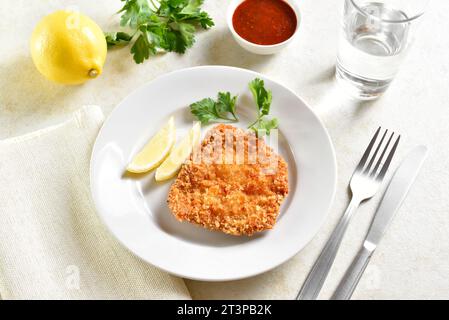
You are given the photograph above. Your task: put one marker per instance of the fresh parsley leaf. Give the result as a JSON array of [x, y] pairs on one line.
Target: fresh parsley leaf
[[269, 124], [205, 21], [184, 34], [226, 103], [261, 96], [142, 47], [167, 25], [204, 110], [117, 38], [208, 110], [173, 42], [134, 12], [193, 6], [263, 126], [192, 12]]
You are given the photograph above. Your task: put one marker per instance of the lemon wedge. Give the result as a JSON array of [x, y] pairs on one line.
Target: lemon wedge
[[156, 150], [179, 154]]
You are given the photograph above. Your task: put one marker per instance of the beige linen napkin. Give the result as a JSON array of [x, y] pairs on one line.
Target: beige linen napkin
[[52, 244]]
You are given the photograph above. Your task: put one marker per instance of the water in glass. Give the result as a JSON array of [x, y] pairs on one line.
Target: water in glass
[[372, 46]]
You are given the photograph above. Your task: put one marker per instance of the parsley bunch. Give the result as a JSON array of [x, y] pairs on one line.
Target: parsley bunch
[[165, 25]]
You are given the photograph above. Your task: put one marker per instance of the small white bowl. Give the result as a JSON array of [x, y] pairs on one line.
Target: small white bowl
[[259, 48]]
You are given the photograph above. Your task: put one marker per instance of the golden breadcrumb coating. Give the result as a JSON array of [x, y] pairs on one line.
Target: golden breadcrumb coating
[[237, 190]]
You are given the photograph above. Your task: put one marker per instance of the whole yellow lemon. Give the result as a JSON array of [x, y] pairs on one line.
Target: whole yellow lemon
[[68, 47]]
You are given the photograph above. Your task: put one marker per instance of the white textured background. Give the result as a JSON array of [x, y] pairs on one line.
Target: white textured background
[[413, 258]]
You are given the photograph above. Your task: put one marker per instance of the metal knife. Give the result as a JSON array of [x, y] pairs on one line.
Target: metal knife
[[393, 197]]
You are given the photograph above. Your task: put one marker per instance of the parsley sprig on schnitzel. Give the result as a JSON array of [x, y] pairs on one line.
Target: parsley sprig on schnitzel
[[210, 110], [262, 98]]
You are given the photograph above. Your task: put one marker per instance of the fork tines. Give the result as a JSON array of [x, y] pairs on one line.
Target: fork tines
[[365, 165]]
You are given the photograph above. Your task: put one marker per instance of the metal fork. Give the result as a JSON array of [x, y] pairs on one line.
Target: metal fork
[[364, 183]]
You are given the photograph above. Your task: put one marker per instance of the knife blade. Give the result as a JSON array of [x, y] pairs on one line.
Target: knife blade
[[395, 194]]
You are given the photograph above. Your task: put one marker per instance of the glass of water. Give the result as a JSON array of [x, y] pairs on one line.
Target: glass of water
[[375, 37]]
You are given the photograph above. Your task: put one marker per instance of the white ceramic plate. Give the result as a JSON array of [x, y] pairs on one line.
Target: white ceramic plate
[[135, 209]]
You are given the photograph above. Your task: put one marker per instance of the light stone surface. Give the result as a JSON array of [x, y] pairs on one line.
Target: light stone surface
[[413, 259]]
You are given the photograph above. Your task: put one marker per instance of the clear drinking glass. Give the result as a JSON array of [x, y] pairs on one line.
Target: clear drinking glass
[[375, 36]]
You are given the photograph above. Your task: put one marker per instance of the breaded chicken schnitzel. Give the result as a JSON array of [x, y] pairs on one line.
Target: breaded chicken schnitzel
[[235, 183]]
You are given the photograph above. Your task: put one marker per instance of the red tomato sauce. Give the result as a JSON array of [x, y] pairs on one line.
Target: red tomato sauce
[[264, 22]]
